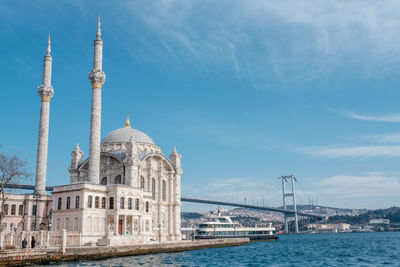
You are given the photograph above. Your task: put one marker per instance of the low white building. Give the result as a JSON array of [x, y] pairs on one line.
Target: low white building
[[379, 221]]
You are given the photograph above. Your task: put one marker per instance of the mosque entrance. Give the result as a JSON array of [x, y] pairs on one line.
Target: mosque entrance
[[120, 227]]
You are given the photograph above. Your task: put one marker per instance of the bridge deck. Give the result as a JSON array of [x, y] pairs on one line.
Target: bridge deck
[[195, 200]]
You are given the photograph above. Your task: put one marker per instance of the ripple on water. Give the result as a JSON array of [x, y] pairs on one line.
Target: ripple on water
[[350, 249]]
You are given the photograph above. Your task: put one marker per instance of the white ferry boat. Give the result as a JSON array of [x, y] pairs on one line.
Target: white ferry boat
[[223, 227]]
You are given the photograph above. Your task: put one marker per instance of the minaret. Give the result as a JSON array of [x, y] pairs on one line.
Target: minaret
[[97, 79], [46, 92], [131, 161], [175, 159]]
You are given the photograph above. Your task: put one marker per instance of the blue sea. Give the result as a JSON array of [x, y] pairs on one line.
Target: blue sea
[[348, 249]]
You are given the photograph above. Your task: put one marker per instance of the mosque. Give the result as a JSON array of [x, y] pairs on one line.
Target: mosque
[[125, 192]]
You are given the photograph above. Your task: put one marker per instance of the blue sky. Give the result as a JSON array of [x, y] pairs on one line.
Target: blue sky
[[246, 90]]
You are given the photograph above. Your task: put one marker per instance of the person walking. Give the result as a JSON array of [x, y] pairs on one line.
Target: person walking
[[24, 243], [33, 242]]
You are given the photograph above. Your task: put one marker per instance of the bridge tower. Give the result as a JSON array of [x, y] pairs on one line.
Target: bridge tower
[[292, 194]]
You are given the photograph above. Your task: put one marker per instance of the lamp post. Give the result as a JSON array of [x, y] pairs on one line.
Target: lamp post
[[159, 233]]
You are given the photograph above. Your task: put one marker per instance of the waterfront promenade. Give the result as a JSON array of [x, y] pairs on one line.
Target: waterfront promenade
[[18, 257]]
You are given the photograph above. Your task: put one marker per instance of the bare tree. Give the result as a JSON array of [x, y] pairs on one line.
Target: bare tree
[[13, 170]]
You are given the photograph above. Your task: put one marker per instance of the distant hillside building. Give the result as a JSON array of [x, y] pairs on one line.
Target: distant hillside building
[[379, 221]]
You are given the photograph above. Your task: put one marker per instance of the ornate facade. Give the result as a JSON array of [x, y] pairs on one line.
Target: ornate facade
[[126, 192], [136, 198]]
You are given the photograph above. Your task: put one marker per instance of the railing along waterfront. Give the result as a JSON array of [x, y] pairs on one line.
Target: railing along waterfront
[[43, 239]]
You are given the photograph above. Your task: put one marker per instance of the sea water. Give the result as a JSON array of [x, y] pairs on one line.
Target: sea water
[[346, 249]]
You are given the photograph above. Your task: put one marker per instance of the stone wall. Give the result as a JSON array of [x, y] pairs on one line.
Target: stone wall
[[20, 257]]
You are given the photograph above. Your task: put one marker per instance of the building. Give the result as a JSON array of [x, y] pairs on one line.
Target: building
[[379, 221], [329, 228], [137, 195], [127, 191], [26, 212]]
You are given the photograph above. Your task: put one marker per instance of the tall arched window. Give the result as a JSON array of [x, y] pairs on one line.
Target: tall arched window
[[96, 202], [164, 190], [21, 210], [129, 203], [153, 188], [77, 198], [90, 200], [13, 209], [103, 202], [141, 182], [136, 204], [59, 203], [68, 203], [104, 181], [111, 203], [118, 179], [122, 203]]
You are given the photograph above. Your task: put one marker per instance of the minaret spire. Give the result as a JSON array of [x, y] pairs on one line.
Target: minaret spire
[[97, 79], [46, 92], [98, 28], [48, 47]]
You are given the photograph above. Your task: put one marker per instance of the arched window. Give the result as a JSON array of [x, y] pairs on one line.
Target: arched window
[[104, 181], [90, 200], [122, 203], [68, 203], [118, 179], [21, 210], [96, 202], [59, 203], [5, 209], [77, 202], [13, 209], [164, 190], [34, 210], [111, 203], [153, 189], [136, 204], [103, 202], [147, 206], [141, 182], [129, 203]]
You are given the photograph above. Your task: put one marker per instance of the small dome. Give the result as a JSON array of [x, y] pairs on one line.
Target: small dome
[[124, 134]]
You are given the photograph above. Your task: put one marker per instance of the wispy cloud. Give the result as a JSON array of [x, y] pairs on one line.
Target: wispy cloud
[[368, 185], [392, 138], [315, 37], [352, 151], [394, 117]]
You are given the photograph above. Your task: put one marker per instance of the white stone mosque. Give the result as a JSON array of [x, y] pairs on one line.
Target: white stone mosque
[[125, 192]]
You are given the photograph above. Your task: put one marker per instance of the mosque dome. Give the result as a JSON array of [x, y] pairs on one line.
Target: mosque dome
[[124, 135]]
